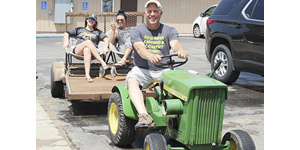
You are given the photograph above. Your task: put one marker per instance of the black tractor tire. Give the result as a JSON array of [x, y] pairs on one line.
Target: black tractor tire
[[155, 141], [225, 72], [57, 87], [121, 128], [239, 140]]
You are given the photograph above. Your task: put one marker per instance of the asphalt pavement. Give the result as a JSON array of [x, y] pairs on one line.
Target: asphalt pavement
[[57, 128]]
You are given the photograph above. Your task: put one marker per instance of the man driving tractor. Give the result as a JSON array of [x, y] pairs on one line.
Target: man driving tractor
[[151, 41]]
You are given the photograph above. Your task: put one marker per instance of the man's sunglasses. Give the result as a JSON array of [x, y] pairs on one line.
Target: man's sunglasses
[[92, 19], [120, 20]]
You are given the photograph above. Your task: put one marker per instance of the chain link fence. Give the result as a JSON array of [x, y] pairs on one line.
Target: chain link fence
[[74, 20]]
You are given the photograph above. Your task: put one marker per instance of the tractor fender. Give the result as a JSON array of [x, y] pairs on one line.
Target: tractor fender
[[58, 71], [128, 107]]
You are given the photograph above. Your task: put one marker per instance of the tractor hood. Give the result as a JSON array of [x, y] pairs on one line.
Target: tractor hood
[[180, 83]]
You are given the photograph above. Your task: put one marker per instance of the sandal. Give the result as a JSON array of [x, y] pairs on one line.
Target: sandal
[[89, 80]]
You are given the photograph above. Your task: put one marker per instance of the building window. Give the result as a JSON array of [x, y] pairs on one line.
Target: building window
[[107, 5]]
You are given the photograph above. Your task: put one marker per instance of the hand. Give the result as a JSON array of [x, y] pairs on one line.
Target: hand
[[182, 54], [105, 50], [112, 24], [155, 59], [66, 44]]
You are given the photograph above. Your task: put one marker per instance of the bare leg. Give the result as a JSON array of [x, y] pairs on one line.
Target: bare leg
[[136, 95], [87, 62], [125, 57], [93, 51], [137, 98]]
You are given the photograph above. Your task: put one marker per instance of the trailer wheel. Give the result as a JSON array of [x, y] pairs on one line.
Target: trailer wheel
[[57, 87], [121, 128], [155, 141], [239, 140]]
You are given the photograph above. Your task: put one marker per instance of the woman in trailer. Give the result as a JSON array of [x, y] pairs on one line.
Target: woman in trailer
[[119, 35], [88, 38]]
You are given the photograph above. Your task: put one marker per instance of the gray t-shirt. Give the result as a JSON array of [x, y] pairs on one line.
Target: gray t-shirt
[[129, 45], [156, 41], [123, 35], [81, 34]]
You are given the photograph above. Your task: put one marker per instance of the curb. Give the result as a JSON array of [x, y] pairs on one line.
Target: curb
[[49, 35]]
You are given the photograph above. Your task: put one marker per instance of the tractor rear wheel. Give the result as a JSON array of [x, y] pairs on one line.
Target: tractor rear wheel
[[121, 128], [155, 141], [239, 140]]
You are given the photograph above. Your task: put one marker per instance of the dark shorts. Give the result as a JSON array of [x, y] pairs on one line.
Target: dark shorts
[[73, 49]]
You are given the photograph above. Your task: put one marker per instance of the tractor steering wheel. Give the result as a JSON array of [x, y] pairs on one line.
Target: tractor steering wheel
[[171, 63]]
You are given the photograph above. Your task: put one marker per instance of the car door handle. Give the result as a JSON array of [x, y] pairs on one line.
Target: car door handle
[[250, 42], [238, 26]]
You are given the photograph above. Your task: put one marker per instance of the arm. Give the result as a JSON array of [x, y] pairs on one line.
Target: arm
[[67, 34], [144, 53], [114, 32], [178, 49], [66, 40], [105, 49], [113, 35]]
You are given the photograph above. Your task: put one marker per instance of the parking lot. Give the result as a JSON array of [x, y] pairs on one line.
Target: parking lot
[[88, 131]]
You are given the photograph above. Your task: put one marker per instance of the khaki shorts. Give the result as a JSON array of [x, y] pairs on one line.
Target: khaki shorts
[[144, 76]]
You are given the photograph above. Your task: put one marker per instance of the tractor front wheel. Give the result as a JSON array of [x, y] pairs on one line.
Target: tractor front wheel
[[239, 140], [155, 141], [121, 128]]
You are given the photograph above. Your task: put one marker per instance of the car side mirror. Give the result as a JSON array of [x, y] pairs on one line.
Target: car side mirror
[[202, 15]]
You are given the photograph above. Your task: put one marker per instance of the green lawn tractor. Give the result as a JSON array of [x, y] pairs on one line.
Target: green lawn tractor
[[187, 108]]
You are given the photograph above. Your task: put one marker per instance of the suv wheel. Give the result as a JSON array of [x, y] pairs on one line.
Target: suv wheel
[[225, 72]]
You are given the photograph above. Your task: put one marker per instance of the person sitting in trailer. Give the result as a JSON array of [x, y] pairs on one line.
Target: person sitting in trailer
[[119, 36], [88, 38]]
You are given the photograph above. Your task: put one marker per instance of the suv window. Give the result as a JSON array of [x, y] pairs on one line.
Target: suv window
[[224, 9], [255, 10]]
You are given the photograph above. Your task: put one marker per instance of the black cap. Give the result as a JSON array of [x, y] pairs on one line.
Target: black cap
[[92, 16]]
